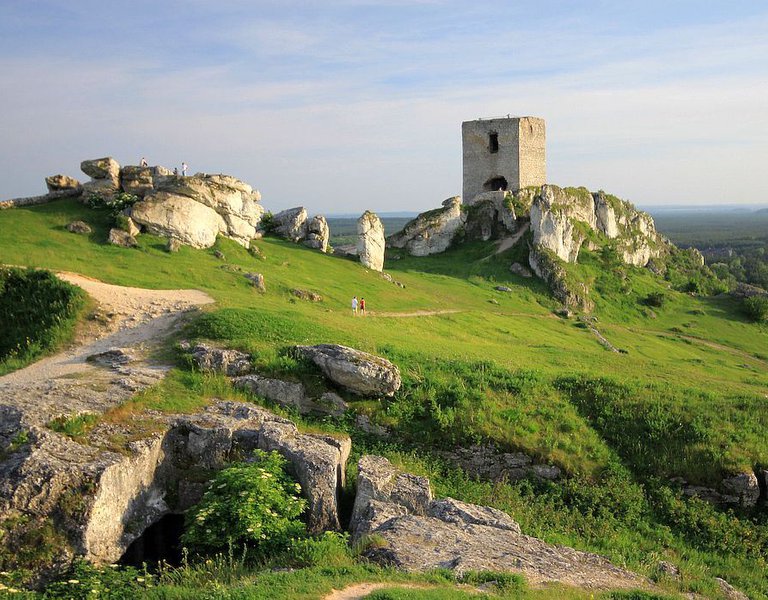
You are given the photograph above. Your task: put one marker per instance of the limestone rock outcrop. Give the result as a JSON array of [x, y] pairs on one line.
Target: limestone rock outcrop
[[491, 216], [104, 174], [548, 267], [560, 218], [138, 181], [179, 217], [99, 501], [57, 183], [118, 237], [220, 360], [359, 372], [431, 232], [420, 534], [370, 241], [291, 223], [318, 233], [194, 210], [79, 227]]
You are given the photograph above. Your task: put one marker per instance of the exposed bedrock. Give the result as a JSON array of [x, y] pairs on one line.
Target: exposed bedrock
[[101, 501], [420, 534]]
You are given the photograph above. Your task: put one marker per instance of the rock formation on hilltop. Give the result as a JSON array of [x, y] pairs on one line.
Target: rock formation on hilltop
[[561, 220], [431, 232], [196, 209]]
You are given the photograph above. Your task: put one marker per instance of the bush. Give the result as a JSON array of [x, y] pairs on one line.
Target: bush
[[657, 299], [115, 203], [756, 308], [252, 505], [38, 311]]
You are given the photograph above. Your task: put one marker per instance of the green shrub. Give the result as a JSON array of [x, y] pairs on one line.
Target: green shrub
[[657, 299], [331, 549], [38, 312], [115, 203], [267, 222], [252, 505], [756, 308]]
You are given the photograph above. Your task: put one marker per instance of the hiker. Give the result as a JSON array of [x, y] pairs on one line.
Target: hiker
[[176, 171], [354, 306], [362, 306], [143, 162], [184, 169]]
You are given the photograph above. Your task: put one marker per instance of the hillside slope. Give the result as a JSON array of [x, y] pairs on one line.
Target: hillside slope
[[686, 398]]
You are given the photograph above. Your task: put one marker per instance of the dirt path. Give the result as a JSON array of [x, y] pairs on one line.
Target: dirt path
[[416, 313], [507, 242], [361, 590], [133, 319]]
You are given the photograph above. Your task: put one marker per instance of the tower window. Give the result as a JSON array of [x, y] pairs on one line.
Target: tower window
[[493, 142]]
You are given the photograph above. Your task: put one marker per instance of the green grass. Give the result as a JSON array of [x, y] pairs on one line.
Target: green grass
[[687, 399]]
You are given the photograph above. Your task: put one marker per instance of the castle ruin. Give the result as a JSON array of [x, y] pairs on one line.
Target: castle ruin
[[502, 154]]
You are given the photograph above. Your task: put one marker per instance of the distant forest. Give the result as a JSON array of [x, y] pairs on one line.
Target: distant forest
[[734, 242]]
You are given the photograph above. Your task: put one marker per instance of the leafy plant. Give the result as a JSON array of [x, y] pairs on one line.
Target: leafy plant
[[756, 308], [115, 203], [254, 505], [38, 312], [657, 299]]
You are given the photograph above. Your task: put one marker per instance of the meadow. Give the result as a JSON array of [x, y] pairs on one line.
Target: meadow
[[687, 397]]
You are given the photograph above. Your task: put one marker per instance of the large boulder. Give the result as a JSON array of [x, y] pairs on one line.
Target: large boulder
[[431, 232], [118, 237], [137, 180], [370, 241], [743, 487], [318, 462], [378, 480], [417, 533], [104, 174], [57, 183], [219, 360], [318, 233], [101, 168], [194, 210], [291, 224], [359, 372], [179, 217]]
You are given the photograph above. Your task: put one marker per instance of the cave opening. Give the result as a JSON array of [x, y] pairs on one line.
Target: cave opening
[[160, 542]]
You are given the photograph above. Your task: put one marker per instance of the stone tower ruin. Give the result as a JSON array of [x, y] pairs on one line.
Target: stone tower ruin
[[502, 154]]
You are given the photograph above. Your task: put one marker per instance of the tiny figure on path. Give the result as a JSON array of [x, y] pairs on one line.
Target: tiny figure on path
[[354, 306], [362, 306], [184, 169], [176, 171], [143, 162]]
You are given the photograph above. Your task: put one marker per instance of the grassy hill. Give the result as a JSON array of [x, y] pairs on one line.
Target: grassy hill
[[687, 397]]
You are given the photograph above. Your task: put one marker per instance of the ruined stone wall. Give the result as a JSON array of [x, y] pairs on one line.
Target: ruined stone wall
[[519, 158], [532, 155]]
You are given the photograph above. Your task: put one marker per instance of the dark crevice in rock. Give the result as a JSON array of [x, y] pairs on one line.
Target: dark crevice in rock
[[160, 542]]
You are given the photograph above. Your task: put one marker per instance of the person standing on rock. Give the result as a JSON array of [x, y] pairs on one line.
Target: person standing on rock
[[354, 306], [184, 169], [143, 162], [362, 306], [176, 171]]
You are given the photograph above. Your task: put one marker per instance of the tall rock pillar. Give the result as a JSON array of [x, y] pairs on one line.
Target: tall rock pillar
[[370, 241]]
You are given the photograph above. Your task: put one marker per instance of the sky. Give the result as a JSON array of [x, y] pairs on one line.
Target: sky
[[347, 105]]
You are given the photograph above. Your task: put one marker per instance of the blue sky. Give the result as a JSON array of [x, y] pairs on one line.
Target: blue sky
[[347, 105]]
